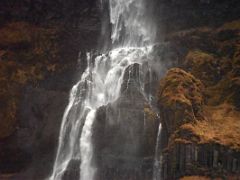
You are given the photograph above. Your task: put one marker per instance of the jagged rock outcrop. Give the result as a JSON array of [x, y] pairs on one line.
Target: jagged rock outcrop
[[124, 138]]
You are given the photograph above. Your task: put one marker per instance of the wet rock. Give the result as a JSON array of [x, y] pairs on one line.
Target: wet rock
[[121, 131], [73, 170]]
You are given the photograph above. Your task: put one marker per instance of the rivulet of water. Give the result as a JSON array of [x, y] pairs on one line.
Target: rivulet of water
[[158, 158]]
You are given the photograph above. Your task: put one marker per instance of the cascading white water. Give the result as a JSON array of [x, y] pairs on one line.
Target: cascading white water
[[131, 26], [100, 84], [86, 148], [158, 158]]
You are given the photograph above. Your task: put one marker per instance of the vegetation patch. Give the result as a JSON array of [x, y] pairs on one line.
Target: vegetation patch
[[221, 126]]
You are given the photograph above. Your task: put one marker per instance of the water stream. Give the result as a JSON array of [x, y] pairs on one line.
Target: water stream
[[158, 158]]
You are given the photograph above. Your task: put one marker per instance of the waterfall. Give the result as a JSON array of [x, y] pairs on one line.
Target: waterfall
[[132, 38], [158, 158], [131, 25], [86, 148]]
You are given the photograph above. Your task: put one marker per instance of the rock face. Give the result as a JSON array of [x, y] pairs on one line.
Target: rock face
[[200, 146], [206, 160], [198, 106], [186, 14], [39, 126], [35, 138], [39, 48]]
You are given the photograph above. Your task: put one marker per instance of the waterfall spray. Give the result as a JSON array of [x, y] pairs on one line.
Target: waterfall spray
[[132, 37]]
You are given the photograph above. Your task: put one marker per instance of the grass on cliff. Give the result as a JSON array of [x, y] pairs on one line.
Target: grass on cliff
[[221, 126]]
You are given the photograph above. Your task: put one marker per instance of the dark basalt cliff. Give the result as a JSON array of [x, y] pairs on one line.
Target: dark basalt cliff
[[198, 99]]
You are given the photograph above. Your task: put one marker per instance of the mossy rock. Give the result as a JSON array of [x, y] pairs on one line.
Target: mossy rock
[[180, 87], [180, 98]]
